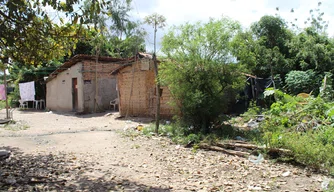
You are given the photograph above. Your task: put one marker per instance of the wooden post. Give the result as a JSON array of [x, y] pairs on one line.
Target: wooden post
[[5, 84]]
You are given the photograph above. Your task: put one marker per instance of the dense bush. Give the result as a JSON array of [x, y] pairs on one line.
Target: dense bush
[[199, 73], [302, 125], [302, 82]]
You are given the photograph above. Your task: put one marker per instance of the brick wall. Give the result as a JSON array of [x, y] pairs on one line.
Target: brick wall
[[103, 69], [138, 92]]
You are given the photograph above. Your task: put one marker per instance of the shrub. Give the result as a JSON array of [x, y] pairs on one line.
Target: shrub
[[305, 126], [199, 73], [302, 82]]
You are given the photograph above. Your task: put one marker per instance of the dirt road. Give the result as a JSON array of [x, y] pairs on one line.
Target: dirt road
[[65, 152]]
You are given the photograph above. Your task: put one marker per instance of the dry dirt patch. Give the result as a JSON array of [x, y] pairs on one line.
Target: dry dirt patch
[[91, 153]]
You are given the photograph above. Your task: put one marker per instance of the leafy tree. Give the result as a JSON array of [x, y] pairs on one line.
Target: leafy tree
[[245, 49], [119, 36], [263, 48], [157, 21], [271, 31], [29, 35], [312, 51], [199, 70], [130, 43], [271, 34]]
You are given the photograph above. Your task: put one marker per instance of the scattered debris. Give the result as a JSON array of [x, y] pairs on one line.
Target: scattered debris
[[240, 138], [242, 149], [108, 114], [220, 149], [257, 160], [139, 127], [325, 184], [252, 124], [286, 174], [4, 154], [255, 188]]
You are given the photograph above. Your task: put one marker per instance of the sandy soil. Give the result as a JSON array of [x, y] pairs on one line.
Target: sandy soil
[[65, 152]]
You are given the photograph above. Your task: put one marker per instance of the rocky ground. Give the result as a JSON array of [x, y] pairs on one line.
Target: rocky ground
[[65, 152]]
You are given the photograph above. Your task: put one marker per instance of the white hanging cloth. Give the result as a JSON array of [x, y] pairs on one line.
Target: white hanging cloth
[[27, 91], [2, 92]]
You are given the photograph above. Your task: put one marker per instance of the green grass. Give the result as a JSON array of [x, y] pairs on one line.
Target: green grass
[[16, 126], [2, 105]]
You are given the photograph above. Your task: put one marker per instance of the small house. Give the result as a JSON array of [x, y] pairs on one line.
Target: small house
[[83, 84], [137, 89]]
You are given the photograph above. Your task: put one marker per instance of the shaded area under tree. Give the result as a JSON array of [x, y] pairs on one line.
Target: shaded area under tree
[[50, 172]]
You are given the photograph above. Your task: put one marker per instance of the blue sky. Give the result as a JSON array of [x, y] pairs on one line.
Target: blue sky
[[244, 11]]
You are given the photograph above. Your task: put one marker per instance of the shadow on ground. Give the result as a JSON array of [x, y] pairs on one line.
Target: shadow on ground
[[71, 114], [61, 172], [112, 113]]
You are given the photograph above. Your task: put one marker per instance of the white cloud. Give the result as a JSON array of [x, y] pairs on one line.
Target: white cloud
[[245, 11]]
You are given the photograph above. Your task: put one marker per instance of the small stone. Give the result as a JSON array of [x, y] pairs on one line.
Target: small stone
[[255, 188], [286, 174]]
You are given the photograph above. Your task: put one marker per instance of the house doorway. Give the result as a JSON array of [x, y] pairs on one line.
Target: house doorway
[[75, 94]]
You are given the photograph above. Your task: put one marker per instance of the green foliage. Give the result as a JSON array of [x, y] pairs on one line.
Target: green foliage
[[2, 105], [312, 50], [173, 131], [252, 111], [270, 48], [118, 36], [194, 138], [271, 32], [263, 49], [308, 150], [302, 82], [30, 36], [198, 71], [302, 125]]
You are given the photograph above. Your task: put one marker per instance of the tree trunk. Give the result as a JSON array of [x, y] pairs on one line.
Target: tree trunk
[[157, 112], [96, 78]]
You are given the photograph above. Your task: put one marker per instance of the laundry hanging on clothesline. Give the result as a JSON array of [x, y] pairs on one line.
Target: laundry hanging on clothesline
[[2, 92], [27, 91]]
